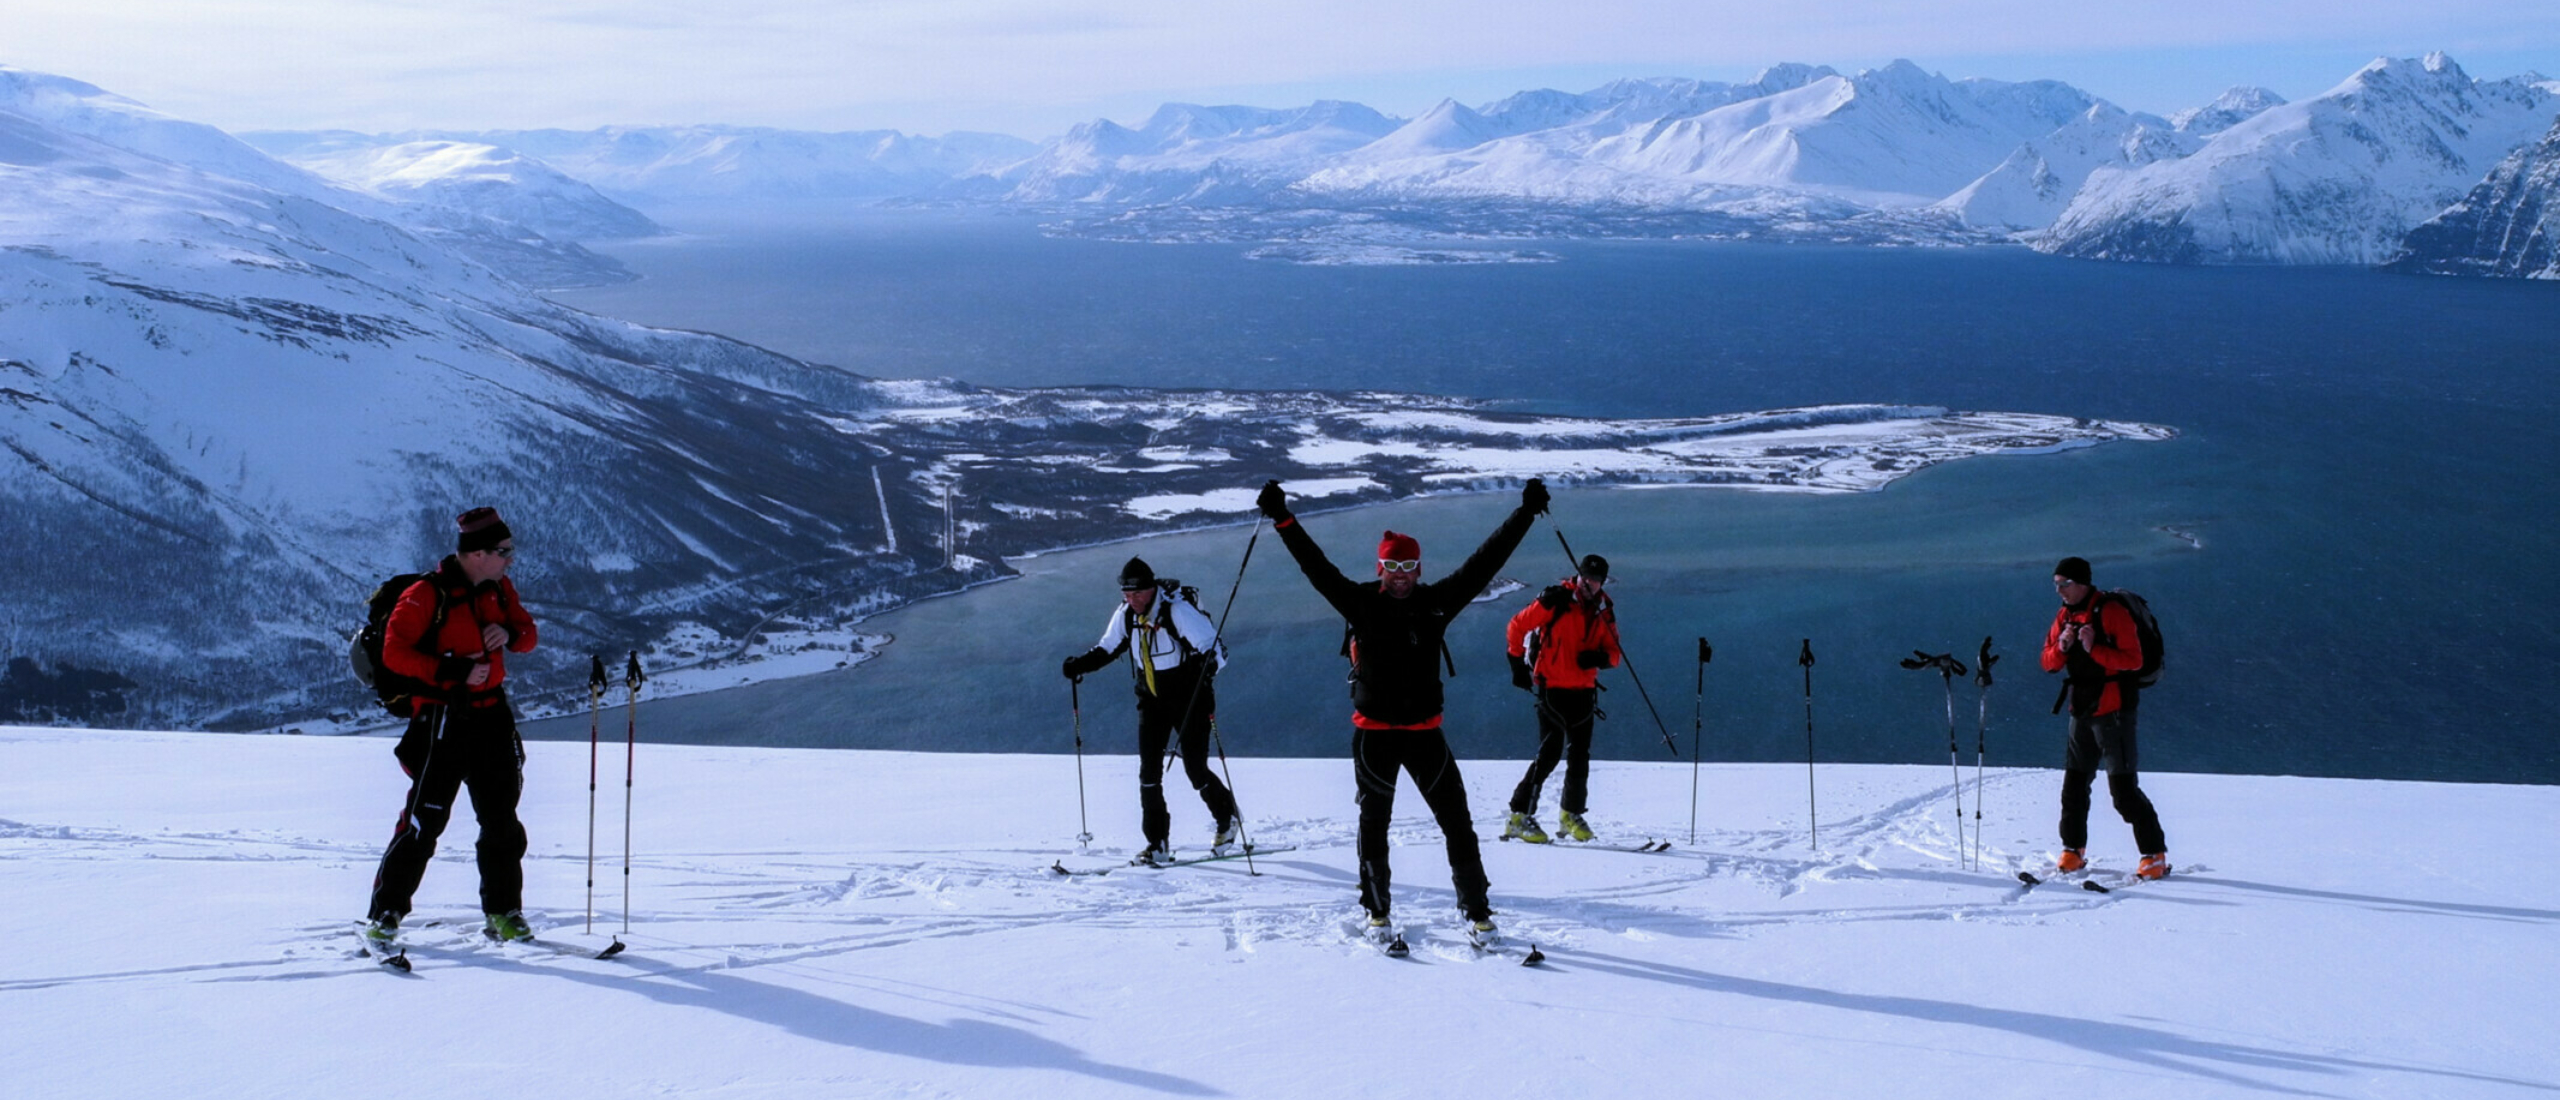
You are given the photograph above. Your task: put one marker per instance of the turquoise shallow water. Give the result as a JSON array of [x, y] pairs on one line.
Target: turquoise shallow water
[[2364, 482]]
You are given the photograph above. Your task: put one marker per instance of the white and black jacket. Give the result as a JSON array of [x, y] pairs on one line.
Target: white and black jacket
[[1173, 639]]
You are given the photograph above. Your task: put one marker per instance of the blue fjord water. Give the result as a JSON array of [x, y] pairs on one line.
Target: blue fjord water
[[2349, 545]]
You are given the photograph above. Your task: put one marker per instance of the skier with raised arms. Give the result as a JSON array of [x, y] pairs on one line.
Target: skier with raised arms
[[1396, 629]]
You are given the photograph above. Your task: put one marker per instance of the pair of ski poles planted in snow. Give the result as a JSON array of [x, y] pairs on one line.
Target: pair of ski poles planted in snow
[[1948, 667], [596, 684]]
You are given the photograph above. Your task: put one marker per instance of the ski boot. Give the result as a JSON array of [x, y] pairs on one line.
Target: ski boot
[[2069, 861], [1570, 824], [2154, 866], [382, 933], [507, 927], [1156, 854], [1226, 835], [1524, 827]]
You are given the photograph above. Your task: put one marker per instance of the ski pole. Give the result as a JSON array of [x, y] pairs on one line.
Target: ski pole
[[631, 679], [1697, 734], [1576, 564], [1209, 673], [1814, 822], [1948, 668], [595, 722], [1981, 734], [1075, 705]]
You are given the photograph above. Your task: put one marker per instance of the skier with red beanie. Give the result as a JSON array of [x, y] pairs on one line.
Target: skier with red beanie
[[1396, 646]]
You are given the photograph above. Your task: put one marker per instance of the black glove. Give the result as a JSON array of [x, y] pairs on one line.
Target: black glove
[[1087, 661], [1592, 658], [1556, 598], [1273, 502], [1520, 674], [1533, 496]]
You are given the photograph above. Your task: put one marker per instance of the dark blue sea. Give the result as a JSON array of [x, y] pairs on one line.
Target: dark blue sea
[[2349, 546]]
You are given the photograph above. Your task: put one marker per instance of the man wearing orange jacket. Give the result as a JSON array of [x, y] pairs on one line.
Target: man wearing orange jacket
[[454, 630], [1559, 644], [2093, 640]]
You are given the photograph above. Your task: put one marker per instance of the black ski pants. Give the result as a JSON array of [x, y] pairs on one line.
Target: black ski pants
[[2106, 739], [1564, 732], [1376, 756], [446, 750], [1158, 719]]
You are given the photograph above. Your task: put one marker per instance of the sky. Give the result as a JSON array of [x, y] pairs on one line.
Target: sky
[[1034, 67]]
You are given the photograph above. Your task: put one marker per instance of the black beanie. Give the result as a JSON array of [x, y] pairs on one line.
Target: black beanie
[[1594, 566], [2075, 570], [1136, 575], [481, 530]]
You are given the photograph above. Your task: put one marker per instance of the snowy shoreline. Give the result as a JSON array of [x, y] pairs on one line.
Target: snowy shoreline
[[1438, 452]]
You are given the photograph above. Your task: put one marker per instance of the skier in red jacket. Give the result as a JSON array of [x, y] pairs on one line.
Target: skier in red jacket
[[454, 630], [2093, 640], [1559, 644]]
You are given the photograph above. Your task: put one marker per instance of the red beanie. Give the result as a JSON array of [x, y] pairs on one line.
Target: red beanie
[[1395, 547]]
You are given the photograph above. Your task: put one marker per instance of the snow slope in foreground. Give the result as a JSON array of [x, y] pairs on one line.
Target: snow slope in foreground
[[853, 924]]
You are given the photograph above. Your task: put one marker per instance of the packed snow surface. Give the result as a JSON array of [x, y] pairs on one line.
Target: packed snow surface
[[859, 924]]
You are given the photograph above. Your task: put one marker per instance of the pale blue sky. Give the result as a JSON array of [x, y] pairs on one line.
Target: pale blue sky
[[1034, 67]]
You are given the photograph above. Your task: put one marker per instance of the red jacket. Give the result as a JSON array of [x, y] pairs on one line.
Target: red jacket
[[1563, 637], [446, 660], [2118, 649]]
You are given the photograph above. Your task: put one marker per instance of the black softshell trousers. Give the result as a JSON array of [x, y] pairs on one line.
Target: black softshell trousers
[[1376, 756], [1564, 733], [1159, 717], [446, 750], [2106, 739]]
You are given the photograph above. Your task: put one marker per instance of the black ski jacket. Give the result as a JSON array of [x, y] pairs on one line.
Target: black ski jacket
[[1396, 643]]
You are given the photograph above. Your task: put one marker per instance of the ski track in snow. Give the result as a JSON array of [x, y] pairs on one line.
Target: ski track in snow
[[855, 904]]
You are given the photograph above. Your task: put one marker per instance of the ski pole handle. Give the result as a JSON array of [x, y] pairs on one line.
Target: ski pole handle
[[1805, 658], [1706, 652]]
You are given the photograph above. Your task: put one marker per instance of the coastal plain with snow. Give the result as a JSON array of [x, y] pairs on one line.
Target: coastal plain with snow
[[864, 924]]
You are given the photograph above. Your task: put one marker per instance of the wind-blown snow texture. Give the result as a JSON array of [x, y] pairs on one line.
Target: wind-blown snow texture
[[858, 924]]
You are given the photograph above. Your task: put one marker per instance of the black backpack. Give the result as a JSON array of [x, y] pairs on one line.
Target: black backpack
[[364, 650], [2147, 629]]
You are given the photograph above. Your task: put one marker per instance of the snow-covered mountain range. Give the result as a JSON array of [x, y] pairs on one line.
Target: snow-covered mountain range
[[234, 396], [1895, 154], [676, 164], [2508, 225], [2336, 179]]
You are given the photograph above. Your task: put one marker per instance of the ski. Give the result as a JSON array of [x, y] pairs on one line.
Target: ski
[[1060, 867], [1649, 847], [394, 958], [556, 948], [1493, 943]]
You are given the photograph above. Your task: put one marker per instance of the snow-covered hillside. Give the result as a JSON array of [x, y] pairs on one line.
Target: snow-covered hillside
[[855, 924], [681, 164], [232, 398], [2336, 179], [2508, 225], [470, 179], [2038, 181]]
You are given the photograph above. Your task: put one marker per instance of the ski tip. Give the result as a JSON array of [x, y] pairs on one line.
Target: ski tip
[[2093, 887], [1534, 957], [1060, 867], [2029, 879], [1396, 948], [612, 951], [399, 962]]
